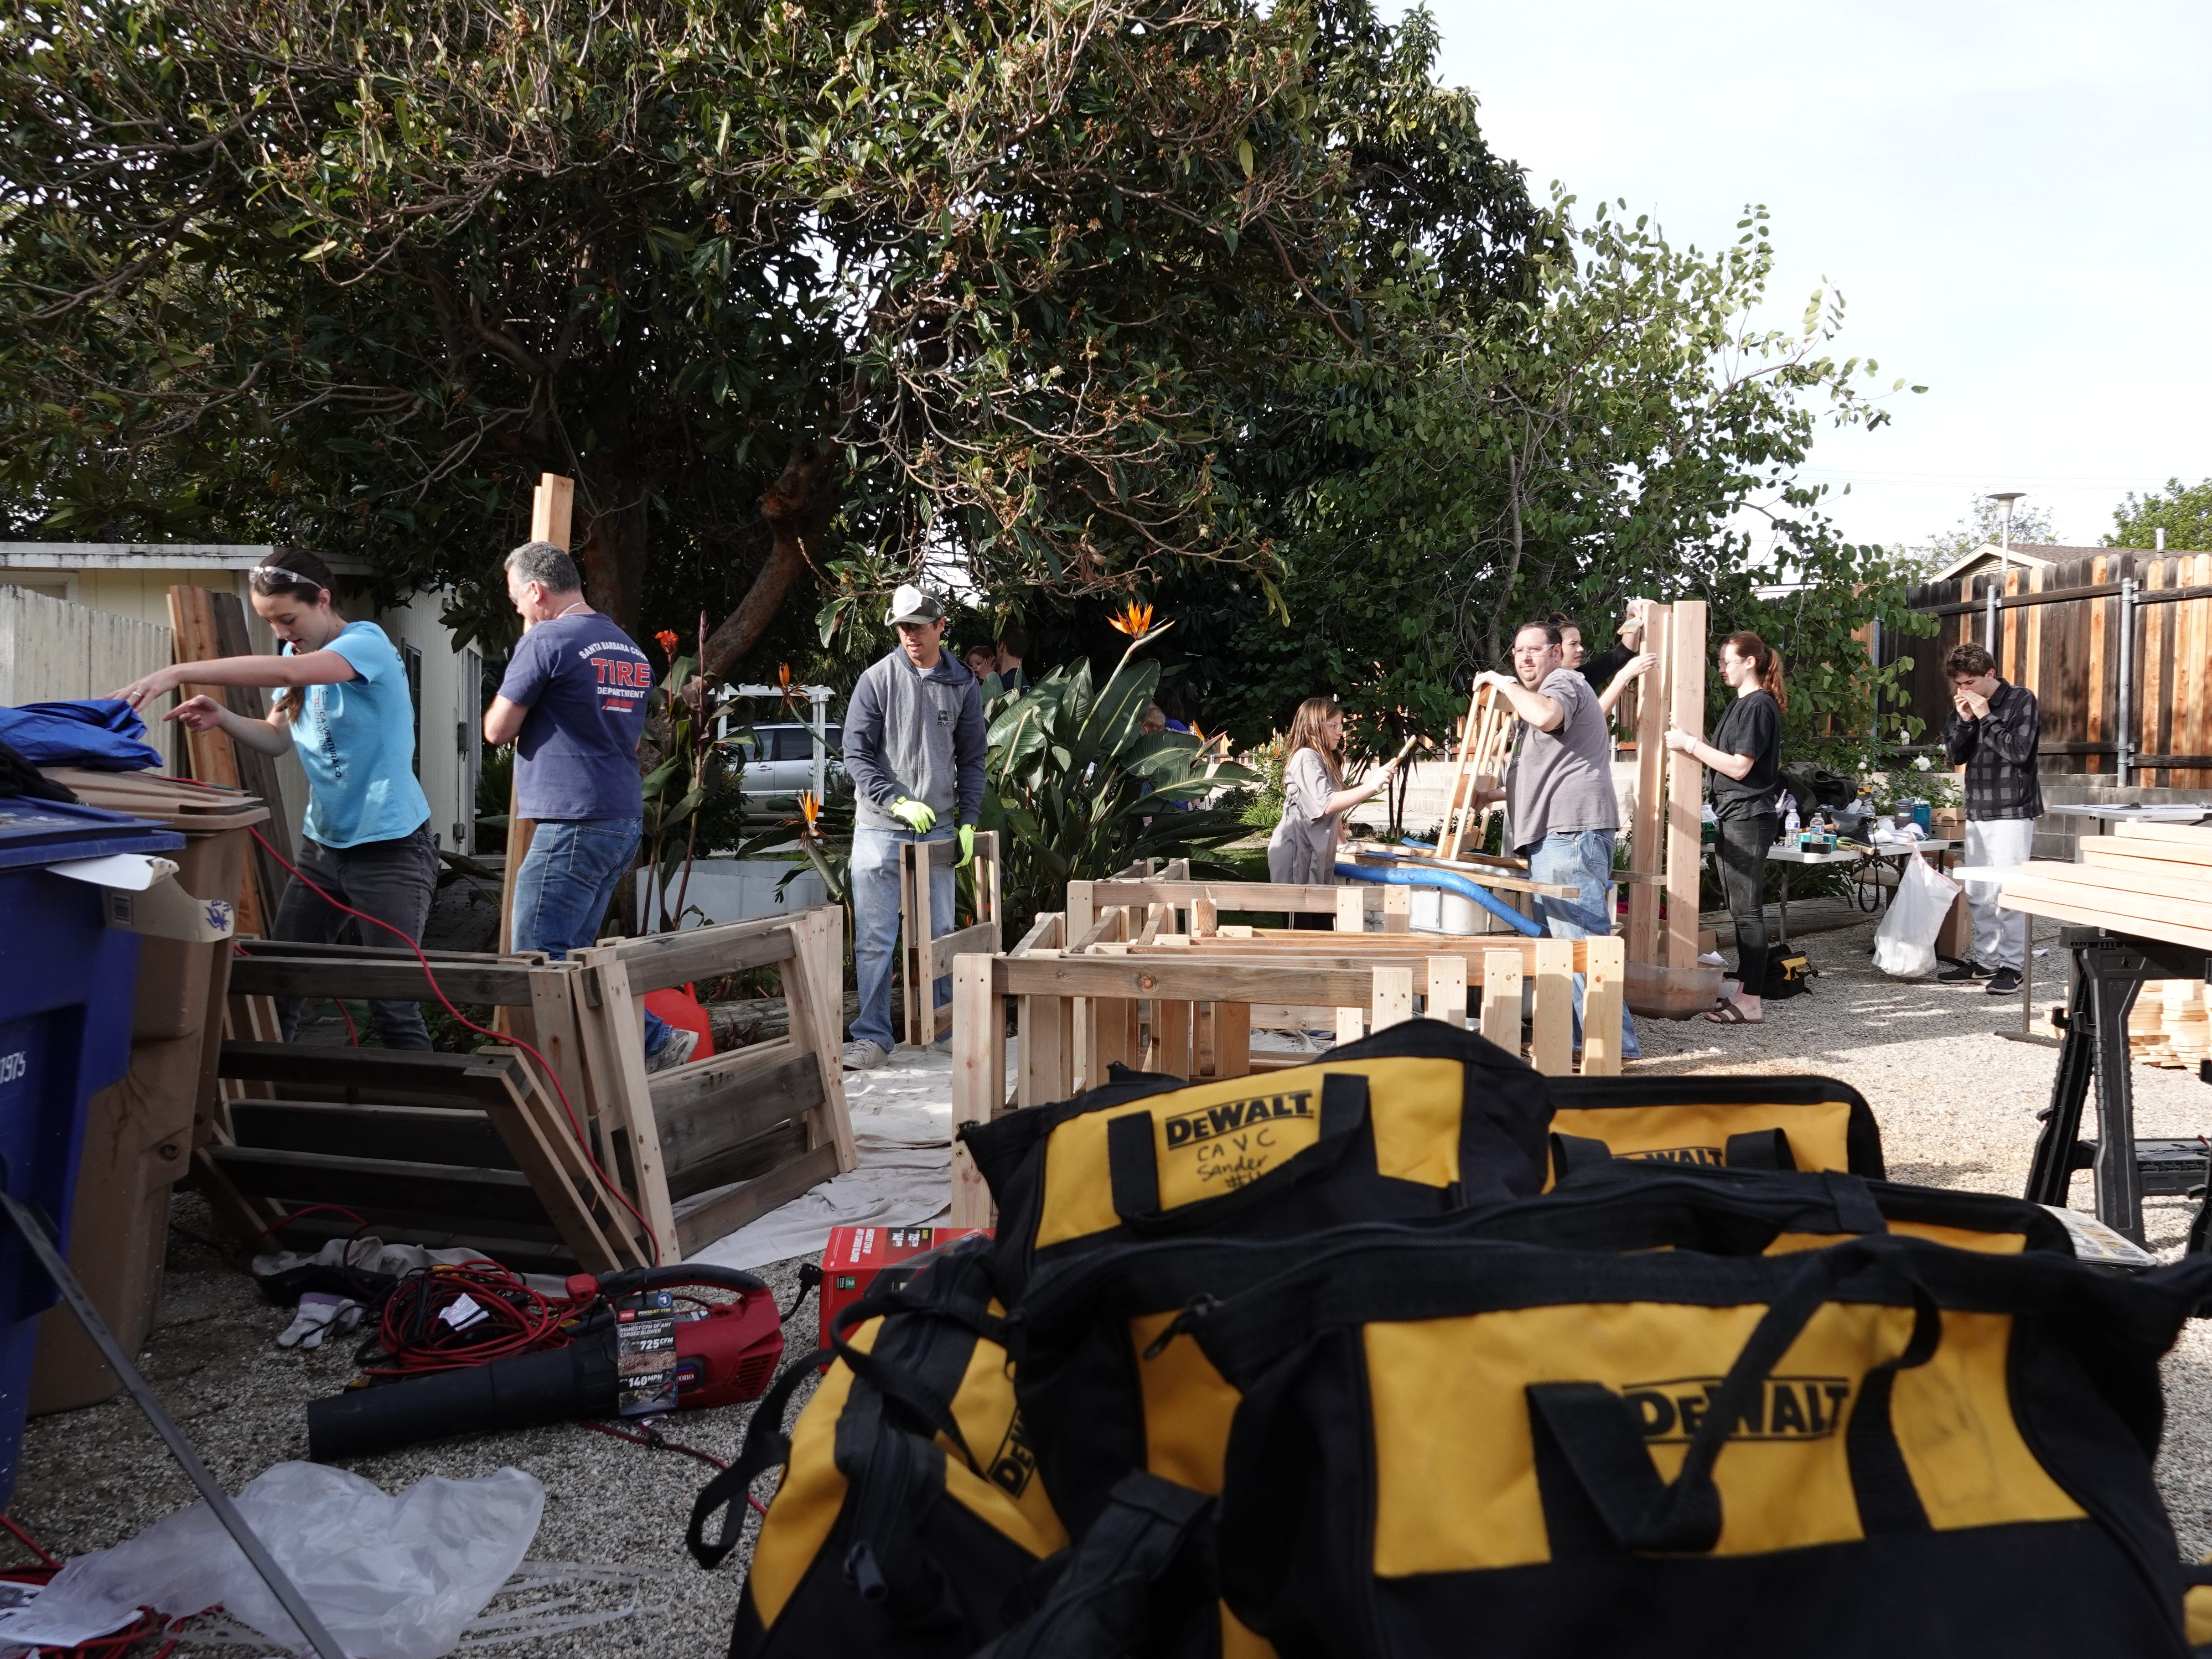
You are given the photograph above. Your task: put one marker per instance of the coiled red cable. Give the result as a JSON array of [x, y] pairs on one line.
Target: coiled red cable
[[508, 1318]]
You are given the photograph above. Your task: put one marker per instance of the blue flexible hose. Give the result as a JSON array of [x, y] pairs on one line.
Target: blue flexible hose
[[1450, 882]]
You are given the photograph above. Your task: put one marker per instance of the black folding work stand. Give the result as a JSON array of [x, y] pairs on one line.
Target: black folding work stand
[[2109, 969]]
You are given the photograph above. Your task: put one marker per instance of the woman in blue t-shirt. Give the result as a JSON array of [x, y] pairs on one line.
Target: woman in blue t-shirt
[[343, 707]]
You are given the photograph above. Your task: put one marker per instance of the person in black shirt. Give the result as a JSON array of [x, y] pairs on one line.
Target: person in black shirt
[[1745, 758], [1610, 671], [1994, 735]]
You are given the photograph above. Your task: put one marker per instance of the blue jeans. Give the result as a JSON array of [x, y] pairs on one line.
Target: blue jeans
[[1583, 858], [875, 879], [566, 881]]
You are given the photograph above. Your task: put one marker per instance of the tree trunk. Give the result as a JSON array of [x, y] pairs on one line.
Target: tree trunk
[[797, 508], [609, 536]]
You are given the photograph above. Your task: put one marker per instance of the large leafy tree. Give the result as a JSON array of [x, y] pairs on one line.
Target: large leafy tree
[[1625, 427], [2183, 511], [826, 293]]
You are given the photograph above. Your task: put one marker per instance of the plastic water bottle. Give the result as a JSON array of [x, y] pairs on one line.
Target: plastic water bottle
[[1789, 826]]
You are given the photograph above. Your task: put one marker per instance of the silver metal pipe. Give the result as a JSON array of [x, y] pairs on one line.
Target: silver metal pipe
[[2124, 735]]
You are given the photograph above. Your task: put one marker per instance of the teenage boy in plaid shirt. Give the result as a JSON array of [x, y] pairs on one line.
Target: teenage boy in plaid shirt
[[1993, 735]]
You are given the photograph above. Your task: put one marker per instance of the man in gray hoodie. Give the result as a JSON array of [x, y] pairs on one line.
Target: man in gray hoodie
[[914, 748]]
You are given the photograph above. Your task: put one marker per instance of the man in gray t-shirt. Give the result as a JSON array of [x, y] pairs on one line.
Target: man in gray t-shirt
[[1559, 806]]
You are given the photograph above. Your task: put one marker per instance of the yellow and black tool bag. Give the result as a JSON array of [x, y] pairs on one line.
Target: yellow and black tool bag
[[1731, 1122], [1887, 1446], [1420, 1119], [1104, 1391], [910, 1522]]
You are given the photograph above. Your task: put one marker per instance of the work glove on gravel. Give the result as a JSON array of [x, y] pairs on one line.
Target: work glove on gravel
[[321, 1316]]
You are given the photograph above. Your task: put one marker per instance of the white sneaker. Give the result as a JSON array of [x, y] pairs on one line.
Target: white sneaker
[[678, 1050], [862, 1055]]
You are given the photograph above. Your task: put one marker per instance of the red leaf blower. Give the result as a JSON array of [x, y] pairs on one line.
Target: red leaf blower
[[630, 1348]]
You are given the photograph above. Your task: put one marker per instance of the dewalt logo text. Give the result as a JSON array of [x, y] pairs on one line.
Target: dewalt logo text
[[1015, 1462], [1787, 1408], [1212, 1123], [1714, 1157]]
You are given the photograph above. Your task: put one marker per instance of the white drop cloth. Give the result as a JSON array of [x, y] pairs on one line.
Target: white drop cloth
[[903, 1130]]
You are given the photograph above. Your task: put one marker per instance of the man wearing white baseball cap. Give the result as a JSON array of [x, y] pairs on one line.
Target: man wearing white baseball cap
[[914, 748]]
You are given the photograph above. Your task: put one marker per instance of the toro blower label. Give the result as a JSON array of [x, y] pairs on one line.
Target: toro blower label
[[645, 1355]]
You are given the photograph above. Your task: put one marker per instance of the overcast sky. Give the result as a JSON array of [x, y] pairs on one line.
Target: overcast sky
[[2013, 199]]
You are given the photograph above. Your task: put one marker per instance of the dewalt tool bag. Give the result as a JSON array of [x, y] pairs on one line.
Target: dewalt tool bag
[[1887, 1446], [910, 1520], [1734, 1122], [1420, 1119], [1104, 1389]]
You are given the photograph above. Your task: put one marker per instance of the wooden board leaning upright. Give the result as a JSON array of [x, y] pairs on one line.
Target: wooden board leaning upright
[[1668, 842], [550, 509]]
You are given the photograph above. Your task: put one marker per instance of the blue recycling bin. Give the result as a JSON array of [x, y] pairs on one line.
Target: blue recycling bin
[[67, 983]]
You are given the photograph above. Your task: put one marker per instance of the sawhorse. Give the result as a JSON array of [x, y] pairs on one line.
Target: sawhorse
[[2109, 969]]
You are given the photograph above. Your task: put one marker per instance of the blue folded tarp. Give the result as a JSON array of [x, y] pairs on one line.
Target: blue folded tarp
[[102, 733]]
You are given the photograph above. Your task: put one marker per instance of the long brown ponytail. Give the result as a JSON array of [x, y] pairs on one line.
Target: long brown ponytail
[[297, 573], [1765, 662]]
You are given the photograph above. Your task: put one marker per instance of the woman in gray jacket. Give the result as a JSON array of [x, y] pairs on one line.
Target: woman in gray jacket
[[1303, 850]]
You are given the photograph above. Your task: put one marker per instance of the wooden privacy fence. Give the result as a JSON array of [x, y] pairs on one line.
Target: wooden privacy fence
[[2117, 648], [1140, 971], [52, 651], [478, 1150]]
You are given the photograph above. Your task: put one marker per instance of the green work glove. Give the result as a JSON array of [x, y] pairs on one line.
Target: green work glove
[[967, 847], [914, 814]]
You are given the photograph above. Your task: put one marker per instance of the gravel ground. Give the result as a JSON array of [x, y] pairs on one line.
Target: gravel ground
[[1956, 1103]]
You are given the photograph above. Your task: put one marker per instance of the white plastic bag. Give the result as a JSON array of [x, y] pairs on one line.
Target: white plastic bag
[[1905, 943], [390, 1577]]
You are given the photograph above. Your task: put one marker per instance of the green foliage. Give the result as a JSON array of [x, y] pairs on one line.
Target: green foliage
[[1078, 789], [1982, 523], [693, 770], [2183, 511], [1627, 428], [993, 277]]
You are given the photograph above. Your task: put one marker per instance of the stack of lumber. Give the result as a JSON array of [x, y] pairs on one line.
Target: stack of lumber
[[2153, 880], [2169, 1025], [587, 1161]]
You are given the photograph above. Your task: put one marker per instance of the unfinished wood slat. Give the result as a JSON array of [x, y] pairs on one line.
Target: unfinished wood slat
[[813, 987], [1551, 1045], [1351, 1022], [375, 1185], [1340, 951], [2191, 884], [1603, 985], [613, 1046], [1316, 899], [981, 939], [979, 1072], [2113, 853], [1456, 807], [770, 1150], [2123, 913], [383, 1076], [256, 772], [421, 1132], [2187, 835], [716, 1215], [1351, 910], [1232, 1039], [1501, 1000], [657, 961], [707, 1108], [1037, 1020], [1393, 995], [1686, 641], [1646, 844], [1397, 909], [1445, 990], [252, 974]]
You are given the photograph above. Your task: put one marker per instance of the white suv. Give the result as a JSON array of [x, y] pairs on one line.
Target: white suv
[[780, 759]]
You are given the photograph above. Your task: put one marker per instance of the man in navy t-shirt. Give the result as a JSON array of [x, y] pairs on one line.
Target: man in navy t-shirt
[[573, 704]]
